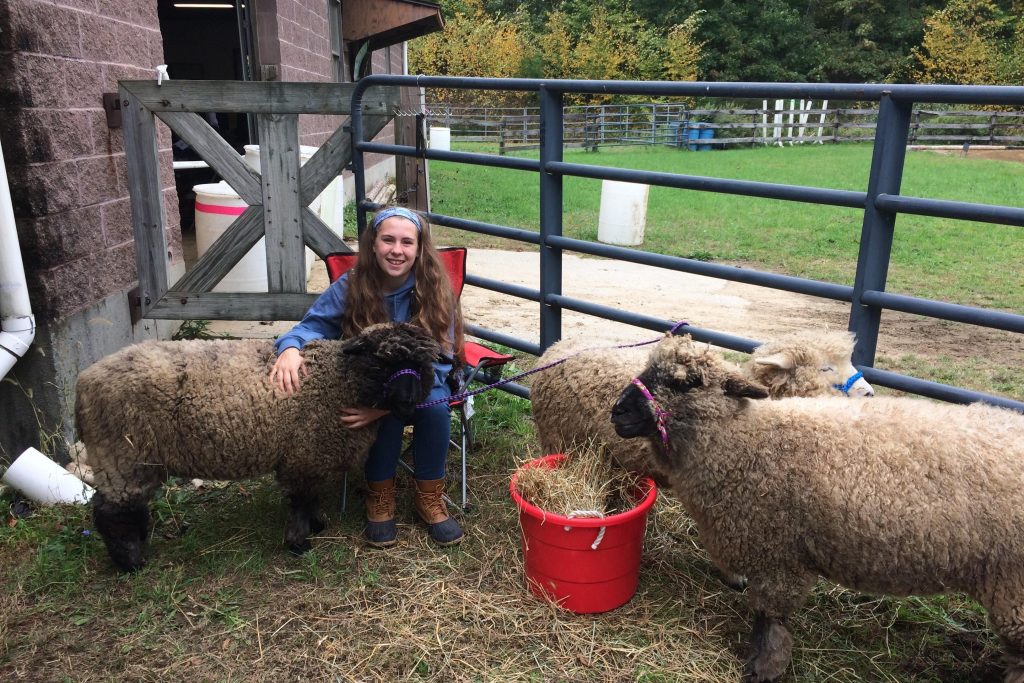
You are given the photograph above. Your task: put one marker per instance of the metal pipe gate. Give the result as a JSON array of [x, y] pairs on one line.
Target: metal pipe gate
[[881, 203]]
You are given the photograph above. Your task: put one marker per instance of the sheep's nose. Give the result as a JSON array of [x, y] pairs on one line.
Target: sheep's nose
[[861, 389]]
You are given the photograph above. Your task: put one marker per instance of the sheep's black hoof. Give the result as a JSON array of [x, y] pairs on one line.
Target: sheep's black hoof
[[300, 549]]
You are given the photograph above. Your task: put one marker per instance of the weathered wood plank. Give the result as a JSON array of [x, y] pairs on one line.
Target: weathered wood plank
[[225, 252], [259, 97], [320, 238], [411, 179], [333, 156], [214, 150], [147, 202], [279, 161], [184, 305]]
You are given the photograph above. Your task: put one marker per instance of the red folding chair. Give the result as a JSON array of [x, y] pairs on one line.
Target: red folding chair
[[479, 363]]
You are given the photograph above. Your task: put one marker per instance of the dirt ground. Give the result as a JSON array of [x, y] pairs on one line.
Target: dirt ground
[[975, 152], [743, 310]]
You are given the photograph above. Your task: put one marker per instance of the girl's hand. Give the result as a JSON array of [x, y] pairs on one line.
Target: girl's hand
[[354, 418], [288, 370]]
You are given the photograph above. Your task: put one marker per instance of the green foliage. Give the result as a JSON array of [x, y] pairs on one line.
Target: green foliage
[[956, 41], [683, 50], [197, 329], [474, 43], [971, 41]]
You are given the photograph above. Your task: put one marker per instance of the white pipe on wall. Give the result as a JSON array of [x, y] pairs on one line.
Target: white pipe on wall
[[17, 324]]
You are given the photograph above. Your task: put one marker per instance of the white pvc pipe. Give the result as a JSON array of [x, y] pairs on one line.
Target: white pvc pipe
[[17, 324]]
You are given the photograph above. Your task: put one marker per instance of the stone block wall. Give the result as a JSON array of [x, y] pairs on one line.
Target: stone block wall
[[305, 42], [67, 173], [66, 168]]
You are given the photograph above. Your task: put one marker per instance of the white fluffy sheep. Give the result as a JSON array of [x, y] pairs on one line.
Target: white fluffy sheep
[[570, 401], [893, 495], [208, 409]]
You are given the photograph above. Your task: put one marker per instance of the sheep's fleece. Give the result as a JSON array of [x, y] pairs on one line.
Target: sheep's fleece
[[208, 409], [890, 495], [570, 401]]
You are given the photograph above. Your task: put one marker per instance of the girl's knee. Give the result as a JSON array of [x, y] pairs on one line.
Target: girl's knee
[[434, 414]]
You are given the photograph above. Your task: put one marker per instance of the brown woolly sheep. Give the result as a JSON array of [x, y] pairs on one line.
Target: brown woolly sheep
[[894, 495], [208, 409]]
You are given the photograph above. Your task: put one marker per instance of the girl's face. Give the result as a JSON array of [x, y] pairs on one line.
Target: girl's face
[[395, 247]]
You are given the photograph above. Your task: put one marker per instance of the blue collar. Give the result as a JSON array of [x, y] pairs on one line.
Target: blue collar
[[845, 388]]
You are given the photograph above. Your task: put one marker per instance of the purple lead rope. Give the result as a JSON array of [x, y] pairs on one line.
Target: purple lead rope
[[502, 382]]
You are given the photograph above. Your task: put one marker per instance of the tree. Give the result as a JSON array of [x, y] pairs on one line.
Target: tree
[[758, 40], [555, 46], [970, 41], [473, 43], [683, 50]]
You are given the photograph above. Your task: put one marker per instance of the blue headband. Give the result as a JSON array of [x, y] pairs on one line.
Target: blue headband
[[397, 211]]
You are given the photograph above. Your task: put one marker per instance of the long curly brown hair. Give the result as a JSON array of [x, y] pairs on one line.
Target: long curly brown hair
[[434, 306]]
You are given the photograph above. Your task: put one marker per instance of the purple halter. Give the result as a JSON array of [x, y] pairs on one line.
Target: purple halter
[[660, 414], [406, 371]]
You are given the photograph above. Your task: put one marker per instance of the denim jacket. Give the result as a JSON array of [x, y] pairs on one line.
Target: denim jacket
[[323, 321]]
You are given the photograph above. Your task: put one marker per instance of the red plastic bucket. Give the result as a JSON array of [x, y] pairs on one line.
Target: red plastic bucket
[[586, 565]]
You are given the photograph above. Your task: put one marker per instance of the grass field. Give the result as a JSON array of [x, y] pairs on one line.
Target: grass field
[[959, 261], [221, 599]]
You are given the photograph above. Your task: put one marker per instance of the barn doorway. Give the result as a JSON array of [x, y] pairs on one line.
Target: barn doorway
[[206, 40]]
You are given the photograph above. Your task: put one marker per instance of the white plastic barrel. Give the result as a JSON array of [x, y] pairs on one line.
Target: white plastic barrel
[[252, 155], [217, 207], [440, 138], [44, 481], [623, 214]]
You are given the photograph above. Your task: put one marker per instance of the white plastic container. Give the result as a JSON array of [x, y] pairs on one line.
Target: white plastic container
[[252, 155], [317, 206], [44, 481], [217, 207], [440, 138], [623, 216]]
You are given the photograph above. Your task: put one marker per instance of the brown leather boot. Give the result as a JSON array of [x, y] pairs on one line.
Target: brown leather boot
[[431, 509], [381, 530]]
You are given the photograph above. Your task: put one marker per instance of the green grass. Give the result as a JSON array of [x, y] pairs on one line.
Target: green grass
[[964, 262]]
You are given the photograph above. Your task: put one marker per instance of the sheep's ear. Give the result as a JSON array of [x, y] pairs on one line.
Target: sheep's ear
[[356, 345], [781, 361], [740, 387]]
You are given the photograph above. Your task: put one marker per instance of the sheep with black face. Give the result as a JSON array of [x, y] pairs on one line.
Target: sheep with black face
[[570, 401], [896, 496], [208, 409]]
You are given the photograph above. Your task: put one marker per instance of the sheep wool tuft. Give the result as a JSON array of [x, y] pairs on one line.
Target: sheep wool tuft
[[894, 496], [207, 409]]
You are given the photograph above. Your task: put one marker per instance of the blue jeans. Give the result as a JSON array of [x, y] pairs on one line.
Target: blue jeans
[[432, 429]]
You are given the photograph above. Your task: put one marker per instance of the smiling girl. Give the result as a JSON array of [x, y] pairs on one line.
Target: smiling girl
[[398, 277]]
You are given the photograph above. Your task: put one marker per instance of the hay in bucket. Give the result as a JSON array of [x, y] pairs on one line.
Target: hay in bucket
[[584, 481]]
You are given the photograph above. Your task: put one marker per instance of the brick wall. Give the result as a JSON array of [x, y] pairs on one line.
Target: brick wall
[[65, 166], [305, 48]]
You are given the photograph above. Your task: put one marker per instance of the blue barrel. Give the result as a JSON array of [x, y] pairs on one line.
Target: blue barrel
[[693, 134], [706, 133]]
